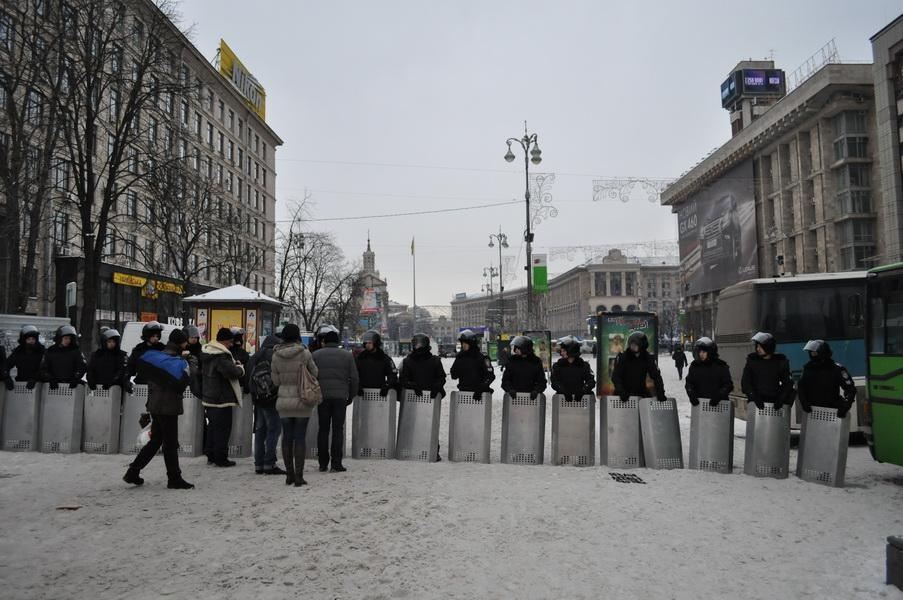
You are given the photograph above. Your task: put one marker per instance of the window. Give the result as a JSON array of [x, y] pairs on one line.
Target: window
[[240, 129], [152, 131], [131, 248], [197, 159], [221, 110], [231, 120], [7, 30], [850, 121], [131, 203], [197, 124], [851, 147], [256, 172], [116, 59], [230, 182], [852, 176], [150, 253], [40, 8], [240, 188], [264, 178], [109, 246], [60, 229], [857, 257], [256, 143], [256, 199], [210, 134], [249, 193], [264, 151], [230, 152], [219, 174], [34, 106], [615, 284], [630, 284], [210, 101], [185, 112], [241, 158], [855, 201], [184, 74], [249, 166]]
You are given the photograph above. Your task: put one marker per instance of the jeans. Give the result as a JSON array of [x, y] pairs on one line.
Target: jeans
[[164, 432], [219, 428], [266, 435], [331, 410]]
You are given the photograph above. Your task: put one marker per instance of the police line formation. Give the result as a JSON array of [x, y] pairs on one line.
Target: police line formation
[[47, 406]]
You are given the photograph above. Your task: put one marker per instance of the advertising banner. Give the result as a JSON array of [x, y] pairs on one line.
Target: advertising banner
[[542, 346], [540, 274], [251, 331], [238, 75], [717, 233], [221, 317], [369, 303], [201, 323], [613, 329]]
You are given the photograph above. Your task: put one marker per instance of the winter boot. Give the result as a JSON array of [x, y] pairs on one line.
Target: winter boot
[[338, 468], [299, 465], [179, 484], [289, 458], [132, 476], [274, 470]]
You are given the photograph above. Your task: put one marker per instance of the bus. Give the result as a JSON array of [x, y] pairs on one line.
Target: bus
[[795, 309], [884, 406]]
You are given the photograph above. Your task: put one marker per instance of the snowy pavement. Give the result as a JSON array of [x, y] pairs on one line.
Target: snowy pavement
[[390, 529]]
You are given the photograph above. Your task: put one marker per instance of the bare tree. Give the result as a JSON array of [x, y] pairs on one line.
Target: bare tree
[[311, 284], [31, 82], [345, 305], [288, 244]]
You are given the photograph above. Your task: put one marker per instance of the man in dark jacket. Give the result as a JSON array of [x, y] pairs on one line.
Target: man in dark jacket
[[63, 362], [194, 341], [633, 366], [571, 375], [680, 361], [823, 381], [472, 368], [375, 369], [107, 366], [150, 340], [766, 375], [241, 355], [26, 358], [267, 424], [709, 376], [221, 392], [422, 372], [338, 377], [524, 373], [164, 403]]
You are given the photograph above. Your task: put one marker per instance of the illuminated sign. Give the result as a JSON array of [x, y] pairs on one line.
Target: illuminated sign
[[235, 71], [752, 82], [131, 280]]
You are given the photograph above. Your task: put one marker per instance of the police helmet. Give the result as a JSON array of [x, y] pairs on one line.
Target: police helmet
[[522, 343], [766, 340]]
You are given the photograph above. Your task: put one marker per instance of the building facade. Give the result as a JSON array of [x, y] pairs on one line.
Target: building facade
[[374, 302]]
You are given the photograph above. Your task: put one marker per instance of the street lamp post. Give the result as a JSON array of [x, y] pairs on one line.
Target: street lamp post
[[502, 240], [490, 272], [532, 153]]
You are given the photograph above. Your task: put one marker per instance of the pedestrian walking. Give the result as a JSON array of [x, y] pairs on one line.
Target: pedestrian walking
[[151, 334], [572, 376], [472, 368], [221, 391], [680, 361], [267, 424], [109, 364], [168, 373], [63, 362], [524, 373], [504, 356], [26, 359], [288, 359], [709, 376], [766, 375], [422, 372], [375, 368], [633, 366], [337, 374], [824, 382]]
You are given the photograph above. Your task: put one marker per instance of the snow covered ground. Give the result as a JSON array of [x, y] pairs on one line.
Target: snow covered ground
[[395, 529]]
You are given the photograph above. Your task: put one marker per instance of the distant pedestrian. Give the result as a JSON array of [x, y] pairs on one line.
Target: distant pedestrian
[[288, 359], [337, 374], [267, 424], [680, 361], [194, 341], [168, 373], [504, 356], [26, 359], [221, 390]]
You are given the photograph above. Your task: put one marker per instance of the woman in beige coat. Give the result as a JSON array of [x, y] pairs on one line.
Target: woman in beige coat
[[285, 369]]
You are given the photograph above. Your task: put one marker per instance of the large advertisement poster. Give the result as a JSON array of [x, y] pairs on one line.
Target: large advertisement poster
[[717, 233], [542, 346], [612, 332]]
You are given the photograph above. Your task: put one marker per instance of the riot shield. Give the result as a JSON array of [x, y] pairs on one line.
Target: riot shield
[[21, 418], [620, 443], [240, 440], [191, 425], [824, 438], [523, 429], [767, 442], [574, 431], [62, 414], [132, 407], [712, 436], [418, 427], [660, 431], [373, 425], [469, 427], [100, 434]]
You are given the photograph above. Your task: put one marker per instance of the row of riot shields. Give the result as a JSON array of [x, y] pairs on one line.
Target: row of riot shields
[[69, 420]]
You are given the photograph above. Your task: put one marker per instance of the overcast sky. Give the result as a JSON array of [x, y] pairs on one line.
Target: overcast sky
[[399, 106]]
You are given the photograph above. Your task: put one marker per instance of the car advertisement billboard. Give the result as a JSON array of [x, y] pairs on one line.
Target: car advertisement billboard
[[612, 331], [717, 233]]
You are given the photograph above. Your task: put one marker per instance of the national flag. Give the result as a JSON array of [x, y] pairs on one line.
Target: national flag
[[412, 246]]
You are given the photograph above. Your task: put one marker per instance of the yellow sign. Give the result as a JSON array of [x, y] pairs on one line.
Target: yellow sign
[[232, 69], [169, 288], [126, 279], [220, 318]]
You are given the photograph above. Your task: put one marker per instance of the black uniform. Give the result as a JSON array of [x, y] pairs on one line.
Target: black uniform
[[26, 359], [107, 368], [473, 370], [630, 373], [63, 364], [524, 374], [822, 382], [137, 351], [4, 374], [709, 379], [242, 356], [573, 379], [680, 361], [376, 370], [421, 371], [767, 380]]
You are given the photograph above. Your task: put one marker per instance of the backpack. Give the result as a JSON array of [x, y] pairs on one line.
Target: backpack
[[265, 391], [309, 388]]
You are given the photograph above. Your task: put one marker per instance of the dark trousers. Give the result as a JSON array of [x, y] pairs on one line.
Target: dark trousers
[[680, 373], [331, 414], [164, 432], [266, 435], [219, 428]]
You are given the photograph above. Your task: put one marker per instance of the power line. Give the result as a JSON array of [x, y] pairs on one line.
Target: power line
[[408, 214]]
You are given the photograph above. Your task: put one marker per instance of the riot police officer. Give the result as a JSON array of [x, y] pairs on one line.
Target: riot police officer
[[26, 358], [150, 340], [709, 376], [472, 368], [524, 373], [63, 362], [421, 370], [374, 367], [571, 375], [823, 381], [766, 375], [108, 364], [633, 366]]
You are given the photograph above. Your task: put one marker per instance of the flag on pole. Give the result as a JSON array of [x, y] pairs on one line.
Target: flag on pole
[[412, 246]]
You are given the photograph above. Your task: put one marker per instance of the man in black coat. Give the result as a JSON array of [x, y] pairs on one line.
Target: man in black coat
[[26, 358], [422, 372], [375, 369], [221, 392], [107, 366], [524, 373], [571, 375], [338, 378], [164, 403], [241, 355], [680, 361], [709, 376], [150, 340], [633, 366], [63, 362], [766, 375], [472, 368], [823, 381], [267, 425]]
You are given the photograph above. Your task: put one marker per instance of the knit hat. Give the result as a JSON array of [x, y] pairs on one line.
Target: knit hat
[[177, 337], [224, 334], [291, 333]]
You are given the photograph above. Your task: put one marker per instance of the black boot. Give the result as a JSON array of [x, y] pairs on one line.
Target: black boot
[[338, 468], [132, 476], [299, 465], [289, 459], [179, 484]]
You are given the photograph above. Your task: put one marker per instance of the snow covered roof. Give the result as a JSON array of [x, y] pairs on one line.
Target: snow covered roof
[[233, 293]]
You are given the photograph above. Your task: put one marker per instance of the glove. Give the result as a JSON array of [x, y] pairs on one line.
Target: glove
[[843, 410], [54, 385], [10, 384], [695, 401], [778, 405], [714, 402], [144, 420], [759, 404], [360, 392], [662, 398], [384, 391], [417, 391], [105, 386], [30, 385], [73, 384], [93, 387], [437, 394], [589, 392], [625, 398], [349, 401], [129, 387], [806, 407], [534, 395]]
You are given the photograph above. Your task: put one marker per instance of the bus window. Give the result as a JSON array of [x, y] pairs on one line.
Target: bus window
[[894, 322], [876, 314], [809, 313], [854, 310]]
